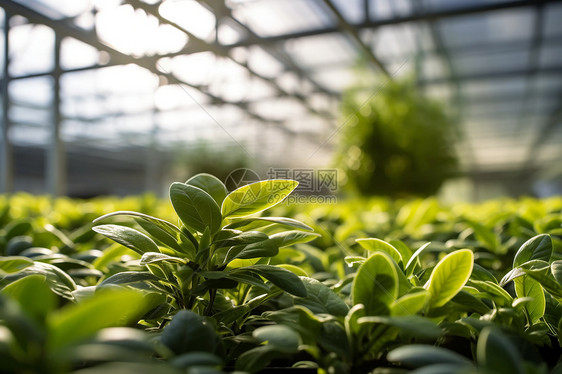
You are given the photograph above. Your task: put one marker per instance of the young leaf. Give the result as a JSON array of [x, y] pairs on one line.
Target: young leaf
[[265, 248], [528, 287], [127, 237], [211, 185], [196, 208], [280, 277], [410, 304], [556, 268], [449, 276], [537, 248], [412, 262], [376, 284], [497, 354], [287, 238], [256, 197], [290, 222], [321, 299], [415, 325], [151, 257], [126, 277], [373, 245]]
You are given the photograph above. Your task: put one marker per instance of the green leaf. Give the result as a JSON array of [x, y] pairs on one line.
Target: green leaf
[[498, 294], [290, 222], [59, 281], [127, 277], [528, 287], [376, 284], [287, 238], [151, 257], [547, 282], [373, 245], [537, 248], [410, 303], [33, 294], [449, 277], [14, 264], [127, 237], [321, 299], [265, 248], [414, 325], [556, 268], [189, 332], [112, 308], [282, 278], [242, 238], [211, 185], [281, 337], [413, 261], [196, 359], [256, 197], [417, 355], [497, 354], [195, 207], [162, 230]]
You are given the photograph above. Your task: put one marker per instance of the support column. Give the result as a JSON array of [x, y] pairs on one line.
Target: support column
[[56, 163], [6, 157]]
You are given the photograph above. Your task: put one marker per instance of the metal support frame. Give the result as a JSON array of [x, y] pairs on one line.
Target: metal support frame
[[354, 35], [6, 161], [56, 163]]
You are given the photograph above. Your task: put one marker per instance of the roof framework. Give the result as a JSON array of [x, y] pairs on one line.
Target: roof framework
[[265, 76]]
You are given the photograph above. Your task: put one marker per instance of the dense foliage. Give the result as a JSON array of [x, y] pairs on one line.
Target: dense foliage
[[218, 282], [395, 141]]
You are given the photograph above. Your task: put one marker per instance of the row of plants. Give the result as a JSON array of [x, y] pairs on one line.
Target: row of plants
[[214, 282]]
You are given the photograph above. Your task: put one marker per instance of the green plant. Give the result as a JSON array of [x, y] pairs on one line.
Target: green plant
[[396, 142], [215, 247]]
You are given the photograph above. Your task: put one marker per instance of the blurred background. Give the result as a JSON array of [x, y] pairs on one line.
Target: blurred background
[[124, 96]]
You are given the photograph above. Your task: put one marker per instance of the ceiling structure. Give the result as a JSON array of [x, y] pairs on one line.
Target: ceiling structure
[[264, 77]]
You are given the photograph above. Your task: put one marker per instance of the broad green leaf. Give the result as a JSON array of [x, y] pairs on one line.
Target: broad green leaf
[[410, 303], [469, 302], [373, 245], [280, 277], [536, 248], [449, 276], [239, 275], [414, 325], [498, 294], [59, 281], [354, 260], [242, 238], [196, 208], [256, 197], [417, 355], [151, 257], [376, 284], [112, 308], [33, 294], [154, 226], [321, 299], [13, 264], [127, 277], [281, 337], [255, 359], [547, 282], [127, 237], [484, 234], [528, 287], [497, 354], [290, 222], [293, 269], [189, 332], [265, 248], [287, 238], [211, 185]]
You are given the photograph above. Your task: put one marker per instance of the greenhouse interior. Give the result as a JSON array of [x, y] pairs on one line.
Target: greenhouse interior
[[281, 186], [141, 93]]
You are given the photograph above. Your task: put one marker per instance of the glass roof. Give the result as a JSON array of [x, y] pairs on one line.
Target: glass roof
[[267, 75]]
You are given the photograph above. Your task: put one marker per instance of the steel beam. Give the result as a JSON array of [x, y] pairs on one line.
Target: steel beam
[[6, 157]]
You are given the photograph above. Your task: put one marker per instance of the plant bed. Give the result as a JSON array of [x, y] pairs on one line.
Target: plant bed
[[222, 282]]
